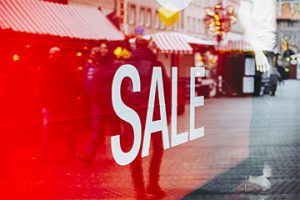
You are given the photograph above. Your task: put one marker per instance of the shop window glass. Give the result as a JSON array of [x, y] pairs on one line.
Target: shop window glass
[[156, 20], [132, 14], [142, 17], [149, 18]]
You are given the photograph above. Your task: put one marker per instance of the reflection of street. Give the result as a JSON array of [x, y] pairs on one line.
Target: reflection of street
[[218, 163], [272, 169]]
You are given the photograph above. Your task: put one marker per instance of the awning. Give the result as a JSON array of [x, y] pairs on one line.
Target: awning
[[195, 40], [168, 42], [162, 40], [46, 18], [234, 42]]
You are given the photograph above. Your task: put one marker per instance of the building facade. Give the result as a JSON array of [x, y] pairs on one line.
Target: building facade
[[288, 23], [106, 6], [145, 13], [289, 29], [134, 13]]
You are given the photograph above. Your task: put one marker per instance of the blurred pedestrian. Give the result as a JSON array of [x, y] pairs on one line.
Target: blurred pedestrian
[[100, 70], [257, 83], [273, 80], [58, 94], [144, 60], [281, 71]]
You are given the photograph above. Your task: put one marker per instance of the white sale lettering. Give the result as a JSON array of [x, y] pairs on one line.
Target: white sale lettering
[[160, 125], [130, 116], [127, 114]]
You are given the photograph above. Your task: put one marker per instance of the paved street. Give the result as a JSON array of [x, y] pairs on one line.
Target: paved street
[[245, 138], [273, 145]]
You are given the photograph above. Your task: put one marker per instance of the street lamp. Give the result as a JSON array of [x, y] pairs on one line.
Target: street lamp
[[219, 19]]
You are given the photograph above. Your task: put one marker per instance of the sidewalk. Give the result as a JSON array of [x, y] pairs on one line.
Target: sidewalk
[[241, 135], [273, 152]]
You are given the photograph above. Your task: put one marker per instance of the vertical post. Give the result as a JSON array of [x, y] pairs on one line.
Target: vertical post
[[174, 60], [219, 78], [123, 14], [115, 6]]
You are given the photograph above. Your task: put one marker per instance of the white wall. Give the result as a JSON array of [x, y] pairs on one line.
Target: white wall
[[106, 5]]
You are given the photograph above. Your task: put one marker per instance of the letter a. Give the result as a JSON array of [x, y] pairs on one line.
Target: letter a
[[159, 125]]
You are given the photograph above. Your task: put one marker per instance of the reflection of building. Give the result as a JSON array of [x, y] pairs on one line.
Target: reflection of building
[[145, 13], [106, 6], [137, 13], [288, 9], [195, 13], [288, 38], [288, 21], [193, 17]]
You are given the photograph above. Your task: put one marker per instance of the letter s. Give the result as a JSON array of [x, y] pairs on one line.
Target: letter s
[[127, 114]]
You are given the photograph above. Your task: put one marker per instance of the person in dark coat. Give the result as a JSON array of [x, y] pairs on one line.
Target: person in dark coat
[[100, 70], [58, 94], [144, 60], [281, 71], [257, 84], [273, 80]]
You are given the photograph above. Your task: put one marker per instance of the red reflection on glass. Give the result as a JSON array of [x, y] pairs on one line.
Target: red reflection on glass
[[57, 120]]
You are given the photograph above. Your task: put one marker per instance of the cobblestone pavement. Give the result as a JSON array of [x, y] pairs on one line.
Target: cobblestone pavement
[[244, 137], [273, 146]]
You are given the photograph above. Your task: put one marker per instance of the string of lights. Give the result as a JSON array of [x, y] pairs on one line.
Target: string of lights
[[219, 19]]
